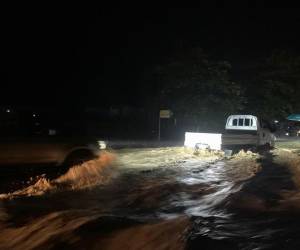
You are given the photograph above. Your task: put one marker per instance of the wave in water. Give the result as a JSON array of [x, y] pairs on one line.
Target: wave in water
[[81, 230], [86, 175]]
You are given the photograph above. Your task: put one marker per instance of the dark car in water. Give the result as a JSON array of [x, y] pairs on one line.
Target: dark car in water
[[30, 137]]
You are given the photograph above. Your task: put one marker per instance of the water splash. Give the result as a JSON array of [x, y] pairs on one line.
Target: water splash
[[86, 175]]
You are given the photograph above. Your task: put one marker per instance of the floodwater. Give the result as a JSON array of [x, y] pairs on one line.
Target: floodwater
[[164, 198]]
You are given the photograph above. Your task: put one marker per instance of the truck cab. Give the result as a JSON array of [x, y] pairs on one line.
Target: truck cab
[[242, 122]]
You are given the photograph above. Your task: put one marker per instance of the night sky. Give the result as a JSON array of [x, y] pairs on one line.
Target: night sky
[[96, 56]]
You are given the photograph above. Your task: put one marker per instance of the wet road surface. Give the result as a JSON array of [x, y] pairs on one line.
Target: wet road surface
[[165, 198]]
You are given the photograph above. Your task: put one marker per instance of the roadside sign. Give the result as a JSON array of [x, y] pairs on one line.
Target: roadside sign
[[165, 113]]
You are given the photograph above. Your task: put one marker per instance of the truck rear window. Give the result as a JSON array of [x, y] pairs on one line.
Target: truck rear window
[[241, 122], [247, 122]]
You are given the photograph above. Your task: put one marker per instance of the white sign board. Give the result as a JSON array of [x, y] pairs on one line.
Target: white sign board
[[214, 141]]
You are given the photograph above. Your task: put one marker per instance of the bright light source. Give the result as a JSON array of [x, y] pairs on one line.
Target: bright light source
[[8, 111], [213, 141], [34, 115], [102, 144], [276, 121]]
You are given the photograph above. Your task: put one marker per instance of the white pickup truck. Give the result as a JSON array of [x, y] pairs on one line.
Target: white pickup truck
[[241, 131]]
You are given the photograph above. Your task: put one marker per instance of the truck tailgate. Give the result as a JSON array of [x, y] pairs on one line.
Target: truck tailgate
[[239, 139]]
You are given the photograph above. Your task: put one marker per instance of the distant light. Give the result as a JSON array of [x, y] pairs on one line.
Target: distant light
[[8, 111], [34, 115], [102, 144], [52, 132], [287, 133], [276, 121]]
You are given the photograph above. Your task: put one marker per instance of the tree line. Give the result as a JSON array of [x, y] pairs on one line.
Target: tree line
[[204, 91]]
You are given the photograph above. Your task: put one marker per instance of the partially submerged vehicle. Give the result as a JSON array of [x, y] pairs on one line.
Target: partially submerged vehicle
[[54, 151], [30, 138]]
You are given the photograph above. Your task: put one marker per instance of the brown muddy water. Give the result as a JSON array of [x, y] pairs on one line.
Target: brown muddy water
[[165, 198]]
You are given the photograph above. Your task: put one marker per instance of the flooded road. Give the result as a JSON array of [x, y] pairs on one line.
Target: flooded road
[[164, 198]]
